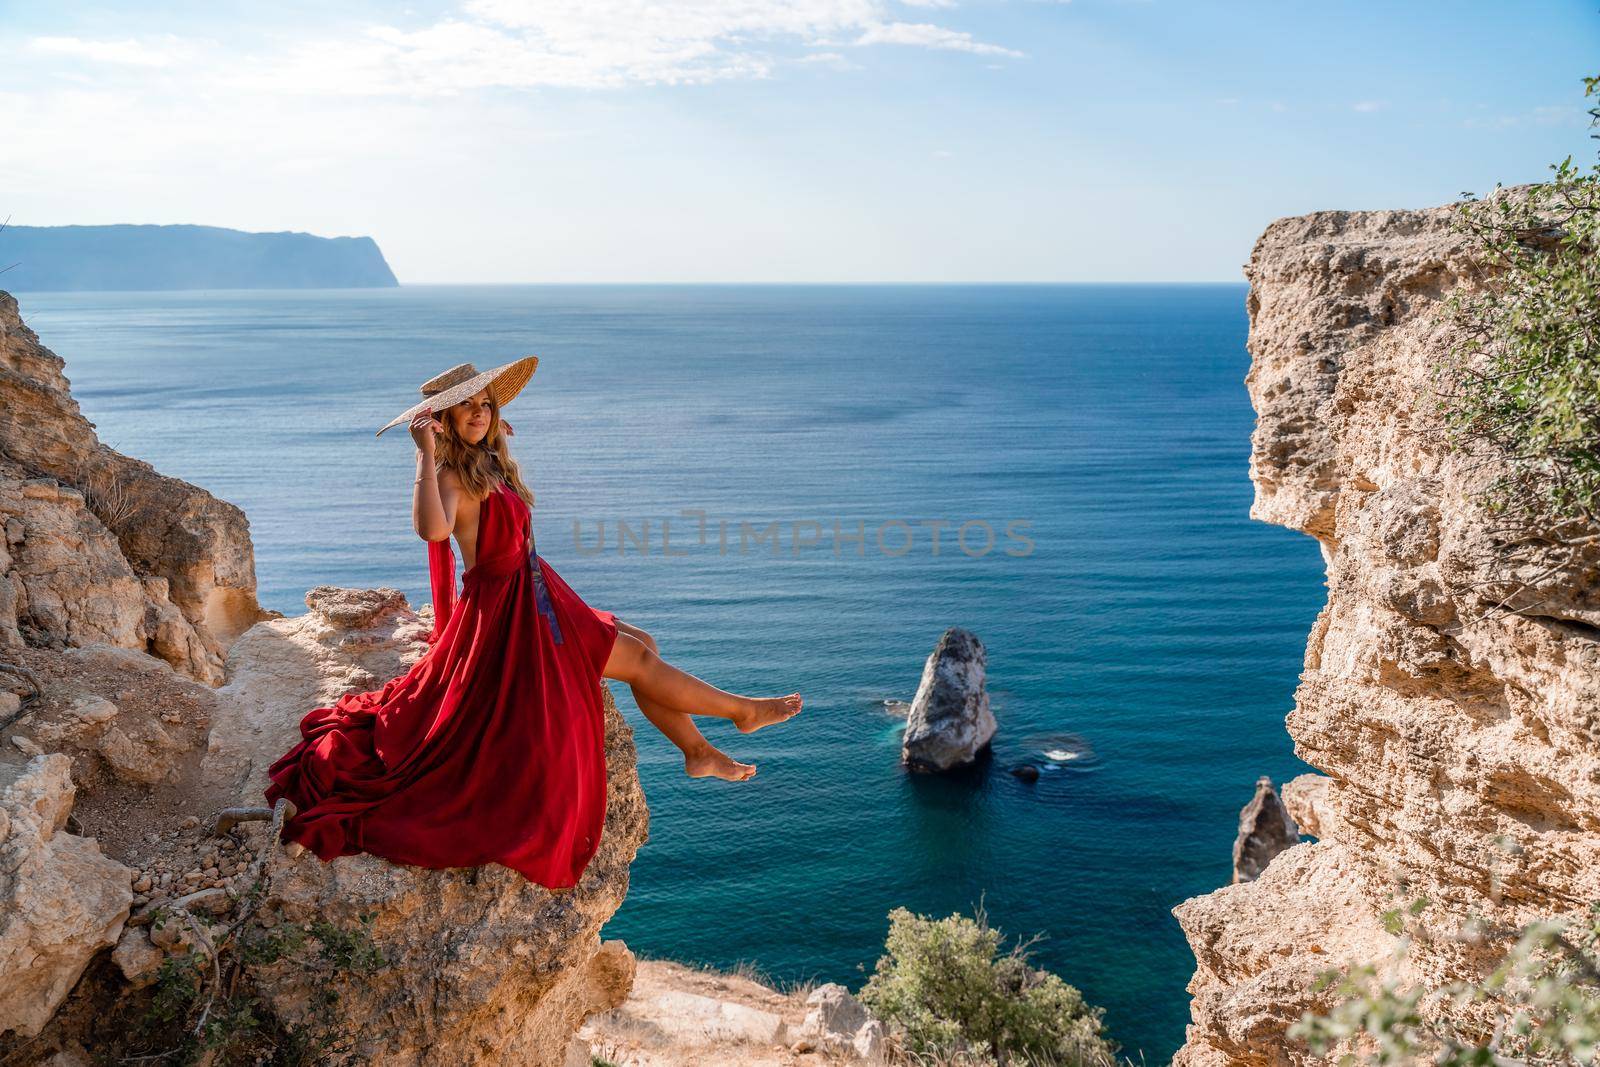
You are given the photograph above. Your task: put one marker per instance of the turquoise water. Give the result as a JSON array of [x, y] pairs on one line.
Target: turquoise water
[[1146, 631]]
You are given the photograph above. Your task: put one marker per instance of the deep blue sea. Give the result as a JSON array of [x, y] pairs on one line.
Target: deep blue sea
[[1144, 635]]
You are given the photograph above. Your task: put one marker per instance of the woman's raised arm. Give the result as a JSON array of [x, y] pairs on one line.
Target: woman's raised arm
[[433, 506]]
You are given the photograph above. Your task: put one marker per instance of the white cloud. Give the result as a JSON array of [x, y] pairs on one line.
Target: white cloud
[[128, 52], [926, 35], [830, 59], [1545, 115], [593, 44], [1369, 105], [455, 56], [1559, 115], [529, 44]]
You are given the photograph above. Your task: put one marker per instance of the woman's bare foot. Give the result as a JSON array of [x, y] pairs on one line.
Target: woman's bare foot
[[711, 762], [764, 711]]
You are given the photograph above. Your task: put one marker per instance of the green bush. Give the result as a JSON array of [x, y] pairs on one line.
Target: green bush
[[1524, 378], [946, 990]]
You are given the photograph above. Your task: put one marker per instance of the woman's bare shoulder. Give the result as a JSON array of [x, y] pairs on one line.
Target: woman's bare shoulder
[[452, 488]]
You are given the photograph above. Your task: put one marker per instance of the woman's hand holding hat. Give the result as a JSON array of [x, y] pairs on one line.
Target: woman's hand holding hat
[[423, 428]]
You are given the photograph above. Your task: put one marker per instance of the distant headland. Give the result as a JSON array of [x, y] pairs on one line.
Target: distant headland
[[55, 258]]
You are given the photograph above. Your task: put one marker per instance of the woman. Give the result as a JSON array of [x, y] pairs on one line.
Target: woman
[[491, 748]]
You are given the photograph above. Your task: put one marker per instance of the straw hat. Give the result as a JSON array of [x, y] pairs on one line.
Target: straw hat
[[464, 380]]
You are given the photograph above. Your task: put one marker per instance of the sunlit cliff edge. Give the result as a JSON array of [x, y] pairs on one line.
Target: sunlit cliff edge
[[1459, 745]]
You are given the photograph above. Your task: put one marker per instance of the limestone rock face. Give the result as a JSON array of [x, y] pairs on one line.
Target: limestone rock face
[[950, 721], [1305, 798], [153, 733], [99, 547], [61, 900], [352, 640], [1265, 829], [1440, 724]]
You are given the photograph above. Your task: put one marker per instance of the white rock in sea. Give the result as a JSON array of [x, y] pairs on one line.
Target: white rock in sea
[[950, 720]]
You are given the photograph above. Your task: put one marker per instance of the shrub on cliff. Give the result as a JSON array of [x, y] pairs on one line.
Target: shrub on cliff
[[1539, 1005], [948, 992], [1525, 377]]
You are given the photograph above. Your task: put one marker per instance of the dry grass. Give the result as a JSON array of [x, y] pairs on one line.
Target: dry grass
[[604, 1053], [752, 972], [749, 971], [106, 493]]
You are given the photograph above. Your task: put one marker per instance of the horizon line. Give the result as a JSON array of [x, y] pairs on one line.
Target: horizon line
[[635, 285], [1199, 281]]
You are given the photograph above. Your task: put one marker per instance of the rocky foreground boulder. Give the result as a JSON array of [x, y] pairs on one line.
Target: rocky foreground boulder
[[482, 962], [1459, 743], [950, 721], [61, 899]]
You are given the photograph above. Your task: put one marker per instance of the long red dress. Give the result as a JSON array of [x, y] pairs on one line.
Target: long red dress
[[491, 748]]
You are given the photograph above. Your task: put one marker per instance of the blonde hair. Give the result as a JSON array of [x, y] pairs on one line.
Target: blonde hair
[[479, 466]]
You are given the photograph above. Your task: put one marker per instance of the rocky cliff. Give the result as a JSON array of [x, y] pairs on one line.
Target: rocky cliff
[[142, 693], [99, 547], [1458, 733]]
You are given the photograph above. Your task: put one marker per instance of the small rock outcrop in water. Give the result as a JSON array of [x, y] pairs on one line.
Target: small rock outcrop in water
[[1265, 829], [126, 602], [950, 721], [186, 257], [1458, 744]]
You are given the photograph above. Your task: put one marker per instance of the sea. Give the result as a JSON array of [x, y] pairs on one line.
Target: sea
[[802, 488]]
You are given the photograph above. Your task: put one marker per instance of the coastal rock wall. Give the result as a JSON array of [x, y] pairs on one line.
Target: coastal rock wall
[[1460, 741], [99, 547]]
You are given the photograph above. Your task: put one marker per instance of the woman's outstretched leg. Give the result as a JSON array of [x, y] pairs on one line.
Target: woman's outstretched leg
[[701, 758], [634, 662]]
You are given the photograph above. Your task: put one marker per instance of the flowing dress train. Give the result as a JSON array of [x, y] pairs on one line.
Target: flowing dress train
[[491, 748]]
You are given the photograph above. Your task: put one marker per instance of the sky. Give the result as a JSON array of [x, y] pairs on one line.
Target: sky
[[506, 141]]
